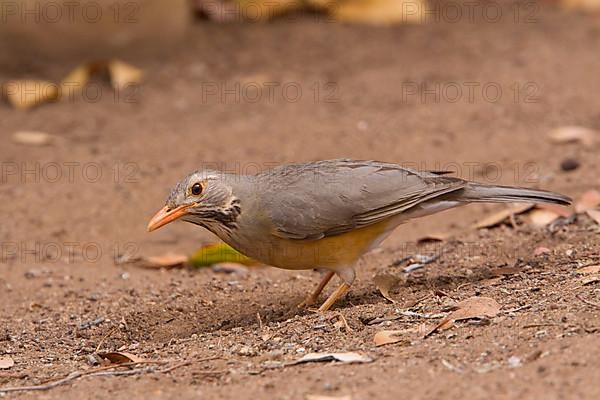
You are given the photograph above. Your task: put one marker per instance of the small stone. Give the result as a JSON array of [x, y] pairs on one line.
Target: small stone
[[569, 164], [91, 360], [514, 362]]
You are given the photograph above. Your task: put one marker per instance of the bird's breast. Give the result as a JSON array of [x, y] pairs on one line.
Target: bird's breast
[[329, 252]]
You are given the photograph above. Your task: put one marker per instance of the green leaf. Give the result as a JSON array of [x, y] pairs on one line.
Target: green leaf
[[218, 253]]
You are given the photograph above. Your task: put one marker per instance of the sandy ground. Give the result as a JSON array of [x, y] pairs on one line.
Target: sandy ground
[[63, 297]]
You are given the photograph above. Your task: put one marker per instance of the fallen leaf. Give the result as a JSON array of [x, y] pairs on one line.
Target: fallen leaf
[[473, 307], [590, 269], [502, 215], [594, 214], [590, 280], [216, 253], [588, 201], [24, 94], [229, 268], [321, 397], [541, 250], [589, 6], [32, 138], [374, 12], [541, 218], [434, 237], [169, 260], [6, 362], [77, 78], [118, 357], [346, 358], [561, 211], [491, 281], [506, 271], [123, 74], [384, 283], [570, 134], [387, 337]]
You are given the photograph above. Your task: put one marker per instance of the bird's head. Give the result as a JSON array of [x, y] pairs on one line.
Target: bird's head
[[203, 198]]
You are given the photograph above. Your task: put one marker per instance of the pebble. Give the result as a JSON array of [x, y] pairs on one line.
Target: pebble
[[569, 164]]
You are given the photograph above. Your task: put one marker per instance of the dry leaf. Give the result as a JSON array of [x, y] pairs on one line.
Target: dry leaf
[[387, 337], [561, 211], [594, 214], [590, 269], [588, 201], [346, 358], [541, 218], [32, 138], [229, 268], [6, 362], [473, 307], [26, 94], [216, 253], [119, 357], [434, 237], [321, 397], [590, 280], [123, 74], [76, 80], [506, 270], [502, 215], [589, 6], [169, 260], [570, 134], [491, 281], [79, 76], [380, 12], [384, 283], [541, 250]]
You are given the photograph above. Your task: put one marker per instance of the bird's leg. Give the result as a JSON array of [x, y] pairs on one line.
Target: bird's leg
[[312, 298], [347, 274], [339, 292]]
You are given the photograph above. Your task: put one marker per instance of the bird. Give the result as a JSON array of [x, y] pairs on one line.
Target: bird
[[323, 214]]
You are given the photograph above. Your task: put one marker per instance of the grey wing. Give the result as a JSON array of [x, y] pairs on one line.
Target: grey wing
[[327, 198]]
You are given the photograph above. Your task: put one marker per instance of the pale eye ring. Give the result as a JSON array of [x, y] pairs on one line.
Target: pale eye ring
[[196, 189]]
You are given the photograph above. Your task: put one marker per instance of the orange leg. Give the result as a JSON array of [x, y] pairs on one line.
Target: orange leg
[[312, 298], [339, 292]]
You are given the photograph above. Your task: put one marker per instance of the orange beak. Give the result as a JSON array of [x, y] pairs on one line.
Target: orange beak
[[166, 215]]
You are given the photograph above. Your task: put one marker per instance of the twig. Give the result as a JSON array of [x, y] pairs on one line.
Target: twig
[[348, 329], [105, 371], [260, 324], [110, 332], [541, 325], [420, 315], [590, 303], [513, 310]]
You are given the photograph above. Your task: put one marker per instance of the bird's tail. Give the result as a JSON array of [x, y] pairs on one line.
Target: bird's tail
[[475, 192]]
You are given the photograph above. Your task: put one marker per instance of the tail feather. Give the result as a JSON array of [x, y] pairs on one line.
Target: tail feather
[[475, 192]]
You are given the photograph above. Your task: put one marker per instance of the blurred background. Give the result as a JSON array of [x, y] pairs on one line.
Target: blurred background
[[106, 104], [146, 91]]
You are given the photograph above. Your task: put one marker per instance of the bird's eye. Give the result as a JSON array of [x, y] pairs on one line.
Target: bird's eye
[[196, 189]]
